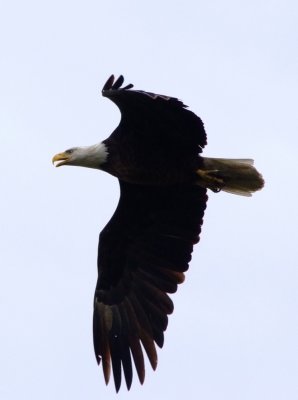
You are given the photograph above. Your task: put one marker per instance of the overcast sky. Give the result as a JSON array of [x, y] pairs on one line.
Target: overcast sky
[[233, 334]]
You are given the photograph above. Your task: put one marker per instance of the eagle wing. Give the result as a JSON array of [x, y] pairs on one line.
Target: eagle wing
[[143, 253], [155, 115]]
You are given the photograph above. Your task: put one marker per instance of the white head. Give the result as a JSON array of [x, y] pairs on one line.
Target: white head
[[89, 156]]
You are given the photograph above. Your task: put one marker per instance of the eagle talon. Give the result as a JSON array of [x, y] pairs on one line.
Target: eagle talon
[[210, 179]]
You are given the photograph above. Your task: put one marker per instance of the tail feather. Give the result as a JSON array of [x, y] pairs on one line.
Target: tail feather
[[237, 176]]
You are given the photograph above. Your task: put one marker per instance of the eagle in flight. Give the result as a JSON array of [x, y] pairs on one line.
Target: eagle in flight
[[146, 247]]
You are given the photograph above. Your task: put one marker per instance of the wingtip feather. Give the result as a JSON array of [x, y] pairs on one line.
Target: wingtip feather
[[109, 83]]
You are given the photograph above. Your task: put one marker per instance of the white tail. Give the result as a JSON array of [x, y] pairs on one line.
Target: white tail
[[237, 176]]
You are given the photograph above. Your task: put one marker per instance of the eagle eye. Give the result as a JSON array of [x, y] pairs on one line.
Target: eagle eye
[[69, 151]]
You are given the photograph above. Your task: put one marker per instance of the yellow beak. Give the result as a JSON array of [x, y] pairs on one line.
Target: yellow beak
[[63, 157]]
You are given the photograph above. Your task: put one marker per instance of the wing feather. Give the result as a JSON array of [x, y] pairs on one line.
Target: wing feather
[[143, 254], [134, 340], [150, 113]]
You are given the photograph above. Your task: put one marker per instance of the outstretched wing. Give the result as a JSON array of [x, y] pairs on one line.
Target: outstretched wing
[[155, 115], [143, 253]]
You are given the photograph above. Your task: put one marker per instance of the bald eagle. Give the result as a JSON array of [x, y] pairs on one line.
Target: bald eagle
[[146, 247]]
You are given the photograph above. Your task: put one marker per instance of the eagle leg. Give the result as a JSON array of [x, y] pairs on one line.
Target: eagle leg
[[210, 179]]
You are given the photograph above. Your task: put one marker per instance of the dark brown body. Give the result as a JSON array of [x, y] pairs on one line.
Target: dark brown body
[[152, 163]]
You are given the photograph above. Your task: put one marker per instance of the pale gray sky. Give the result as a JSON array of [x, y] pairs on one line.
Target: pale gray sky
[[234, 331]]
